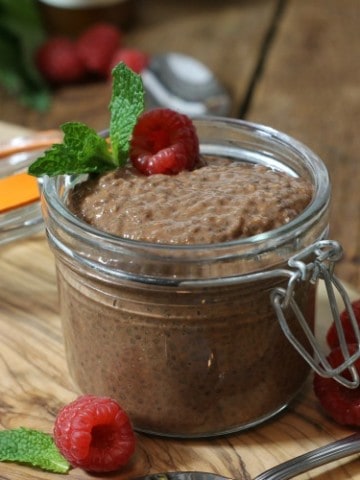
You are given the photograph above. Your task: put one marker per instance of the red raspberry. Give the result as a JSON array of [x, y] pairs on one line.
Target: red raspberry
[[332, 335], [95, 434], [59, 62], [132, 57], [340, 403], [96, 47], [164, 141]]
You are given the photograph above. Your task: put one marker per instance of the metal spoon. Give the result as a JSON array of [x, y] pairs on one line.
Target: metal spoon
[[181, 82], [320, 456]]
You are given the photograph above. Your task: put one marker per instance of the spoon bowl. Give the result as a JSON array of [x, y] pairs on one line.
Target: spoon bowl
[[185, 84], [289, 469]]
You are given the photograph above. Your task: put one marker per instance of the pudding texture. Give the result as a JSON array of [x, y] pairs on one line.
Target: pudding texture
[[185, 361], [221, 201]]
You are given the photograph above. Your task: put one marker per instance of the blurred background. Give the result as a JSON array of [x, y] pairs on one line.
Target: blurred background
[[285, 63]]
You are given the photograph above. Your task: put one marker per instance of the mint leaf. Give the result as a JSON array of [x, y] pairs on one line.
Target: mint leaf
[[82, 151], [31, 447], [127, 103]]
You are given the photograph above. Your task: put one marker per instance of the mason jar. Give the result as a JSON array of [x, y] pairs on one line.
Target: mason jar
[[196, 340], [72, 17]]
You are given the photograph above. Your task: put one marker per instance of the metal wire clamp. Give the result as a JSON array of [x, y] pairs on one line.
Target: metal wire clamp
[[314, 263]]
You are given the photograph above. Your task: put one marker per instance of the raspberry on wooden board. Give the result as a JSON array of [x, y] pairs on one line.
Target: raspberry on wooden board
[[59, 62], [93, 55], [339, 402], [96, 47], [132, 57], [94, 433], [332, 337]]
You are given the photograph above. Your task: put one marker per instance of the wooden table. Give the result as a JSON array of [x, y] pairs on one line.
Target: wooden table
[[290, 64]]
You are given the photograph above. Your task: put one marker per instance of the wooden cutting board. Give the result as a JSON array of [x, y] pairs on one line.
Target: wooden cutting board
[[34, 384]]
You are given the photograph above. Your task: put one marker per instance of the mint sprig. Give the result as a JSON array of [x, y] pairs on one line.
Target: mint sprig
[[126, 105], [33, 448], [83, 150]]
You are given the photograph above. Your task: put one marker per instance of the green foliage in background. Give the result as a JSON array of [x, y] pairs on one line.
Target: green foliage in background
[[21, 33]]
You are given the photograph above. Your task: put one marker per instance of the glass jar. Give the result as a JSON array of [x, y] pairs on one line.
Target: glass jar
[[187, 338], [21, 216], [72, 17]]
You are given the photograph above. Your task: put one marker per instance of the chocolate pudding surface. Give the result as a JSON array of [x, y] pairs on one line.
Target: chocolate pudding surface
[[221, 201], [185, 360]]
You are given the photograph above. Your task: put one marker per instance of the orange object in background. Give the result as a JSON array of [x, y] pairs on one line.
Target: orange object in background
[[20, 211], [17, 191], [17, 188]]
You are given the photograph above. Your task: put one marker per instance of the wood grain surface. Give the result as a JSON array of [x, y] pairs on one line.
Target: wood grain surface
[[290, 64], [310, 88], [35, 383]]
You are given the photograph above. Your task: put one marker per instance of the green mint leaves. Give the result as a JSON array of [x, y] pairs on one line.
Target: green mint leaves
[[21, 34], [83, 150], [127, 103], [31, 447]]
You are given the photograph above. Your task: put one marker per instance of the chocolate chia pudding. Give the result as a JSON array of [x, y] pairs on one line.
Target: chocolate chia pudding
[[189, 364], [171, 313], [221, 201]]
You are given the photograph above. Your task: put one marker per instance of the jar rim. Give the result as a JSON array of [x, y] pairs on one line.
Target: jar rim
[[313, 165]]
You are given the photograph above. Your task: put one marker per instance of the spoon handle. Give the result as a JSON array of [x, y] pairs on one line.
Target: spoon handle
[[320, 456]]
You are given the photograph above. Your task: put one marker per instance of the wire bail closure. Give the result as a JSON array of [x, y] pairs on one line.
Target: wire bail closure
[[314, 263]]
